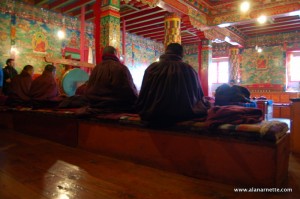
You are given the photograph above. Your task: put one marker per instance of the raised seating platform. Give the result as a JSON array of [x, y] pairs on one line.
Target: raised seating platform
[[248, 155]]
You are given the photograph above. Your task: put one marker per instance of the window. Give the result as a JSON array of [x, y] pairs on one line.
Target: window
[[218, 71], [293, 70]]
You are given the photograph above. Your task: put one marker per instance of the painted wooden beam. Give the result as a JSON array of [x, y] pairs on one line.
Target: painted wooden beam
[[40, 2], [76, 5], [59, 4]]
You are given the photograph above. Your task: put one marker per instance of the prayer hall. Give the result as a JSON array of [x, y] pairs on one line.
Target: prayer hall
[[149, 99]]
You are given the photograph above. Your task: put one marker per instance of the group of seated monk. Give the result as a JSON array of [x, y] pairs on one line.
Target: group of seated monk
[[23, 90], [170, 91]]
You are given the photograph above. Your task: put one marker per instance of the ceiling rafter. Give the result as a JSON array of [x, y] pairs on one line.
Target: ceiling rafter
[[76, 5]]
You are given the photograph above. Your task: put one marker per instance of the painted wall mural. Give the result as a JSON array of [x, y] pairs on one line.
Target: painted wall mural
[[140, 53], [191, 56], [29, 33], [35, 39], [5, 41], [267, 67], [220, 49], [274, 39]]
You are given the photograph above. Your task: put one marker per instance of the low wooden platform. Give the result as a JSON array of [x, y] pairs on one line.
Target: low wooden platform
[[214, 158], [224, 159], [36, 168]]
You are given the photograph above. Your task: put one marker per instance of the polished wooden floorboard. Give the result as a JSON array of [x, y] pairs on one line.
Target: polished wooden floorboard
[[35, 168]]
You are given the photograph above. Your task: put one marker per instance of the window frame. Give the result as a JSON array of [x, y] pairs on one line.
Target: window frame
[[218, 60], [289, 55]]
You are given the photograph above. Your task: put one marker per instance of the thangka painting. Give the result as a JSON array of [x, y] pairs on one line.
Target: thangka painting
[[265, 67], [34, 41]]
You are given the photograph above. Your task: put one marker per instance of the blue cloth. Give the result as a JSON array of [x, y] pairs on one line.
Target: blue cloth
[[1, 77], [250, 104], [269, 102]]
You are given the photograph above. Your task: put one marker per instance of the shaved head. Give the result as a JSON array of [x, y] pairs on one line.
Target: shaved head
[[175, 48], [50, 68], [109, 50], [28, 67]]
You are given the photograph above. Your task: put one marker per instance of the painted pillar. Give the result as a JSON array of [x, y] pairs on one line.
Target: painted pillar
[[206, 60], [234, 63], [82, 34], [110, 24], [97, 30], [124, 40], [172, 29]]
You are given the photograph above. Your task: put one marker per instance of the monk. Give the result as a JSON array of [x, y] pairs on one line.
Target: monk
[[110, 86], [231, 94], [81, 89], [9, 72], [44, 89], [171, 90], [18, 91]]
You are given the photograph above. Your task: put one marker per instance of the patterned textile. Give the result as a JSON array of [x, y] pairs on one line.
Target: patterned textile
[[266, 130]]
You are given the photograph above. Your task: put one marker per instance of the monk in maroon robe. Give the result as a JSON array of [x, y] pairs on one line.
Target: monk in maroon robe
[[171, 90], [81, 89], [110, 86], [18, 90], [44, 89]]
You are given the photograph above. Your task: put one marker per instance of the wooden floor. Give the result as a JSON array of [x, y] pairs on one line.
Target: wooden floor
[[35, 168]]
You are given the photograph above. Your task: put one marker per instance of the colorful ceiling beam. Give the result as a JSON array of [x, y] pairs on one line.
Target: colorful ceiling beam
[[270, 9], [59, 4], [40, 2], [199, 5], [150, 3], [89, 8], [76, 5]]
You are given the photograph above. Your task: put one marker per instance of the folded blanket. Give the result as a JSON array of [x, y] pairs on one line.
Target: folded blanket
[[233, 115]]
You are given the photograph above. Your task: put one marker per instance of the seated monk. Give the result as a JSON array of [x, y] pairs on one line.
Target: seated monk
[[18, 90], [171, 90], [81, 89], [110, 86], [44, 89], [231, 94]]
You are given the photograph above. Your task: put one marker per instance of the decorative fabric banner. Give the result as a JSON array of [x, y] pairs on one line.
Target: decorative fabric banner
[[234, 64]]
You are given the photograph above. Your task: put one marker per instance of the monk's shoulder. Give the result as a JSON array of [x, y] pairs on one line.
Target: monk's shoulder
[[154, 65]]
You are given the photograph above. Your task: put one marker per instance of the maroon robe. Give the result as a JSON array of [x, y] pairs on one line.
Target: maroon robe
[[233, 115], [81, 89], [170, 92], [18, 91], [44, 88], [110, 86]]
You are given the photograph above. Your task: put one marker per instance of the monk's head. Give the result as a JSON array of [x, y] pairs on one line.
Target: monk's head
[[50, 68], [28, 69], [110, 50], [175, 48], [10, 62]]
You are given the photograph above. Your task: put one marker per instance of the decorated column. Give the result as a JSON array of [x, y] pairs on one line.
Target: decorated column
[[172, 29], [110, 24], [234, 63], [205, 59]]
